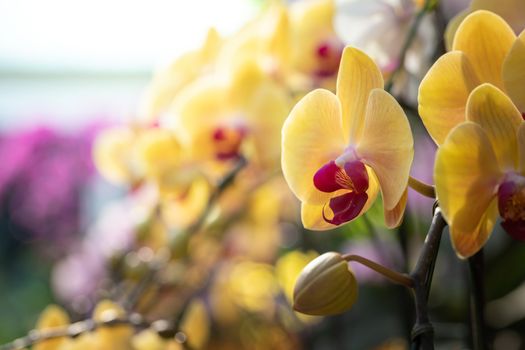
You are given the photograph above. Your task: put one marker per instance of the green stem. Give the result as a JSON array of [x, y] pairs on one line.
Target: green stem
[[392, 275], [421, 187]]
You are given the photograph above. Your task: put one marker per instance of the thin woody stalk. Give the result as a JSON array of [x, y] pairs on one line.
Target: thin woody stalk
[[392, 275], [422, 332], [181, 239], [422, 188], [477, 300], [163, 328]]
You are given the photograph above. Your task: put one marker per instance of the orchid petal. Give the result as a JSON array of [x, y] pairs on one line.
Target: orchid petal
[[492, 41], [466, 175], [514, 72], [443, 94], [499, 118], [358, 76], [311, 137], [389, 154]]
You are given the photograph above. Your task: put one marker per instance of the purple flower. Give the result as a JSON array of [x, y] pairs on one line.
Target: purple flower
[[42, 178]]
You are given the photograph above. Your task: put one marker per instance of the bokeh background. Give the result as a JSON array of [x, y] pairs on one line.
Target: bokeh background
[[69, 69]]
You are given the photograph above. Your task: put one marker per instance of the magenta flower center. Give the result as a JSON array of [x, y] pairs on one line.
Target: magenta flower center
[[511, 205], [352, 177], [328, 55], [228, 141]]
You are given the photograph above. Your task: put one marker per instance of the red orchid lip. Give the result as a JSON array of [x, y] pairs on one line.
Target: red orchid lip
[[353, 176], [346, 207], [511, 205], [228, 141]]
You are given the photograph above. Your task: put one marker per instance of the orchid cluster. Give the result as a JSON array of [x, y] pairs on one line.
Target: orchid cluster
[[294, 105]]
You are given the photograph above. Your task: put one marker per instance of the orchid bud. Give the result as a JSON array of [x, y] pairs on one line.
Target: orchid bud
[[326, 286]]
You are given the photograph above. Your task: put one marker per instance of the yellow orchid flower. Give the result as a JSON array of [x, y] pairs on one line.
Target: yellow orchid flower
[[316, 49], [114, 155], [339, 150], [169, 81], [480, 170], [163, 160], [265, 40], [485, 50], [513, 11], [221, 118]]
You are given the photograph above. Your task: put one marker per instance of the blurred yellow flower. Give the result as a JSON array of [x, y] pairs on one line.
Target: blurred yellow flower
[[223, 117], [512, 11], [163, 160], [485, 50], [339, 150], [288, 268], [316, 50], [114, 155], [196, 324], [52, 317], [169, 81], [113, 337], [480, 169]]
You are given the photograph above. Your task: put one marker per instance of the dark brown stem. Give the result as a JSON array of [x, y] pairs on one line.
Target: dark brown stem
[[477, 300], [422, 332]]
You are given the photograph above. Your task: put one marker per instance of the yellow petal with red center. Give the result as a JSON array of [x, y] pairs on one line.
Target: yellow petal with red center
[[311, 137], [521, 147], [358, 75], [514, 72], [387, 145], [452, 28], [486, 39], [311, 27], [201, 105], [312, 214], [394, 217], [468, 243], [513, 11], [466, 175], [496, 114], [443, 94]]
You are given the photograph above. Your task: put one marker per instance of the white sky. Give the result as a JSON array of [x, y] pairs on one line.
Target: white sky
[[109, 34], [95, 36]]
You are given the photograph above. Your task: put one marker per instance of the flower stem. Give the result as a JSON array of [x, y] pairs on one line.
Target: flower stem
[[421, 187], [477, 300], [423, 333], [392, 275]]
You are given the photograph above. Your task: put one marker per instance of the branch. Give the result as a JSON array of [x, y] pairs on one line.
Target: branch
[[423, 333], [392, 275], [163, 328], [477, 300], [182, 238]]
